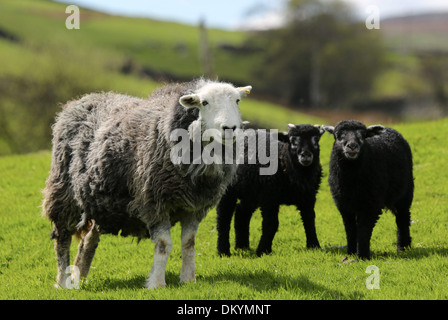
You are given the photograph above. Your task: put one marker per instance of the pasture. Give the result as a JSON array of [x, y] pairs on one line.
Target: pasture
[[291, 272]]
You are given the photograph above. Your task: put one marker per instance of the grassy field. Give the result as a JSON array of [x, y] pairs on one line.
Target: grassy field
[[28, 265]]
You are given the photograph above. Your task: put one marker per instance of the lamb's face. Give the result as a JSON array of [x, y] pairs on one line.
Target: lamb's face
[[304, 142], [350, 137], [350, 142], [219, 110]]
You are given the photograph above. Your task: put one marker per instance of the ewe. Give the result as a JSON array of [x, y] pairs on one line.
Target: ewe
[[112, 171]]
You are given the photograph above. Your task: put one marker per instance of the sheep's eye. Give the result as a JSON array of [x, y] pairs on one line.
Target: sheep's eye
[[204, 103], [294, 141], [238, 101]]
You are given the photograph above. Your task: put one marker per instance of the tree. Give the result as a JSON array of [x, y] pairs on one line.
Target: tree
[[322, 57]]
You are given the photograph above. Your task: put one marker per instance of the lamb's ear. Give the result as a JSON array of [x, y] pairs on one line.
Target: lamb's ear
[[374, 130], [244, 91], [190, 101], [321, 129], [283, 137], [329, 129]]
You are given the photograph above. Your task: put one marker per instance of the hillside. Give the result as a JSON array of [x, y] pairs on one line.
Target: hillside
[[43, 64], [423, 32]]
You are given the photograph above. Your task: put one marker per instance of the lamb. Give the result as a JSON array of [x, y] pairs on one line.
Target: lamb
[[112, 171], [370, 169], [296, 182]]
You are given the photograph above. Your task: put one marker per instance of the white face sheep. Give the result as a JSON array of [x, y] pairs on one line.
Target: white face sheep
[[370, 169], [111, 171]]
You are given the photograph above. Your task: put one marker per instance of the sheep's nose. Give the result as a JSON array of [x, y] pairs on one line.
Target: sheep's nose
[[353, 146], [306, 154], [224, 128]]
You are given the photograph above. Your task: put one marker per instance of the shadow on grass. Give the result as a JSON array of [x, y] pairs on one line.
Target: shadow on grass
[[265, 281], [261, 281], [410, 253]]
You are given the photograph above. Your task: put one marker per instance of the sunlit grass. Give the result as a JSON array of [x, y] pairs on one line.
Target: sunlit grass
[[121, 265]]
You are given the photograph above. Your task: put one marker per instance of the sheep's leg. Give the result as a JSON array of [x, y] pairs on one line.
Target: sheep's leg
[[188, 235], [243, 214], [86, 251], [225, 210], [350, 231], [308, 218], [269, 228], [365, 225], [161, 237], [403, 220], [62, 248]]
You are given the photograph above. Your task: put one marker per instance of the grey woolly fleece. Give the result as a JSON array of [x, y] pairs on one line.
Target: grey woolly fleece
[[111, 163]]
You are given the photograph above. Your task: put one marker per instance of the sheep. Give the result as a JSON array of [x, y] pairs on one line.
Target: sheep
[[112, 171], [296, 182], [370, 170]]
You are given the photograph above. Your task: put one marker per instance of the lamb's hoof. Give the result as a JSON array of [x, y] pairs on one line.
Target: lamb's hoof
[[263, 252], [403, 248], [224, 254]]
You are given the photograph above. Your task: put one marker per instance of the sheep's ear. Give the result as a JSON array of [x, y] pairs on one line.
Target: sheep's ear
[[329, 129], [291, 126], [244, 91], [283, 137], [321, 129], [374, 130], [190, 101]]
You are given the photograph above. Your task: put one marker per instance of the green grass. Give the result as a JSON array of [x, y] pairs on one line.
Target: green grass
[[119, 269]]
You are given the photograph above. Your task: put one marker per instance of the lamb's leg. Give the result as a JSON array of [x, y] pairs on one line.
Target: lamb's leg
[[308, 218], [269, 228], [243, 214], [403, 220], [350, 231], [62, 247], [162, 239], [188, 235], [224, 212], [86, 250], [365, 224]]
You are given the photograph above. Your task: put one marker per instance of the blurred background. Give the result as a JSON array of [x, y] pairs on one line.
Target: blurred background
[[308, 60]]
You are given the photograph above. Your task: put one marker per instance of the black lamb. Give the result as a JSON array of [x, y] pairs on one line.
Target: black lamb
[[370, 170], [296, 182]]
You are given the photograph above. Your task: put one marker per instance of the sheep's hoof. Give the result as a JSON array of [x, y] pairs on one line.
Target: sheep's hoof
[[193, 280], [152, 286], [262, 252], [346, 260], [154, 283], [224, 254]]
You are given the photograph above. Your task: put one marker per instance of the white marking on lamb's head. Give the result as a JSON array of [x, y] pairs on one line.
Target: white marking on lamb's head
[[218, 106]]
